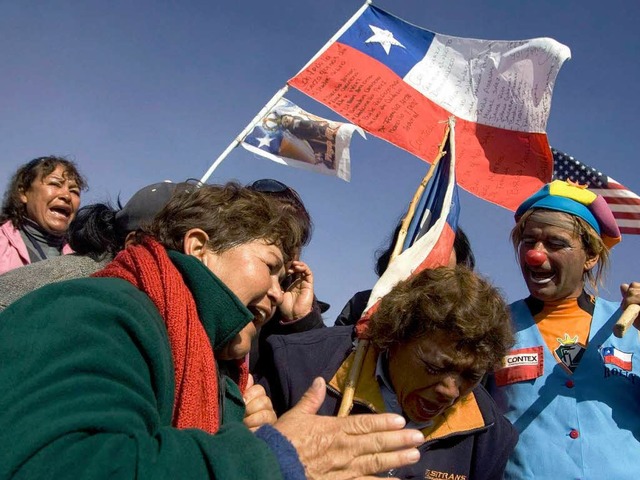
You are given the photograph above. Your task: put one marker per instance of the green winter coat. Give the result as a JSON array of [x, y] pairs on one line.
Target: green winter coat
[[87, 386]]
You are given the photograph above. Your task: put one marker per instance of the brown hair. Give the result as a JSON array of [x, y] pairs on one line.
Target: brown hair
[[231, 215], [452, 300], [290, 199], [591, 243], [12, 207]]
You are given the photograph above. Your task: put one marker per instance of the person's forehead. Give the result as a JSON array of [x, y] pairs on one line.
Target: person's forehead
[[433, 339], [58, 170], [557, 222], [443, 347], [268, 248]]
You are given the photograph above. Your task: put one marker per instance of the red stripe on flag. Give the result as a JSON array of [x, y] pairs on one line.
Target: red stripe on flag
[[441, 252], [627, 215], [622, 200], [612, 184], [630, 230], [501, 166], [618, 362]]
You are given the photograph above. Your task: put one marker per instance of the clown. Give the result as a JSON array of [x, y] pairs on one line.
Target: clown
[[569, 386]]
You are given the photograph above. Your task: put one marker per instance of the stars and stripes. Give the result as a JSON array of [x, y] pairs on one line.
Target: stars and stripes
[[624, 204]]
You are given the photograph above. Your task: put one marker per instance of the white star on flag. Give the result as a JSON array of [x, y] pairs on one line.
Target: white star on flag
[[384, 38], [264, 141]]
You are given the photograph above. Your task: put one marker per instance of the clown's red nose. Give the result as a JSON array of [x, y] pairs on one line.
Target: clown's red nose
[[535, 258]]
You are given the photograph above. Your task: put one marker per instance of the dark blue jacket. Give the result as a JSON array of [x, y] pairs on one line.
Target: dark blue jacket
[[477, 452]]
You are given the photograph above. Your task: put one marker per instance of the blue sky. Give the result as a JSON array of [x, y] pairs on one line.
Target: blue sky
[[140, 91]]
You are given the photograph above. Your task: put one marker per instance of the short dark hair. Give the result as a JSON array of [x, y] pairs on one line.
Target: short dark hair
[[92, 232], [231, 215], [453, 300], [462, 247], [12, 207]]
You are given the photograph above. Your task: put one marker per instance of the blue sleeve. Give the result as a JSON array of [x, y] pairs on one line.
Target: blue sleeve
[[290, 465]]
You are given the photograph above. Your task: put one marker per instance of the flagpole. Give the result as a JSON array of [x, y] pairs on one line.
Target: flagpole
[[363, 344], [270, 104], [337, 35], [352, 378]]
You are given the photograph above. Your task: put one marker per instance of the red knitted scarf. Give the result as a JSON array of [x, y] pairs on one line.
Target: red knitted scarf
[[148, 267]]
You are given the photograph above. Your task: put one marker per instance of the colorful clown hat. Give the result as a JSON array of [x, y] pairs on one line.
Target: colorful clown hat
[[575, 200]]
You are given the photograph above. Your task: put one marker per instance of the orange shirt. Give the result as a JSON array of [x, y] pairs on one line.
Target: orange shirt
[[564, 326]]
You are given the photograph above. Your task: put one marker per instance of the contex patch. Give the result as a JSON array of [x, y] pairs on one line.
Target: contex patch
[[521, 365]]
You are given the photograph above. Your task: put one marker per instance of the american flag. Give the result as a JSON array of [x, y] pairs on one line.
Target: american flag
[[624, 204]]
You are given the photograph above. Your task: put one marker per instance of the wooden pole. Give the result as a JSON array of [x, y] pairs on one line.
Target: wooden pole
[[346, 403], [626, 319]]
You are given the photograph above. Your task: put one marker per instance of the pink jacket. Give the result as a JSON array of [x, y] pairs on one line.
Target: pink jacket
[[13, 251]]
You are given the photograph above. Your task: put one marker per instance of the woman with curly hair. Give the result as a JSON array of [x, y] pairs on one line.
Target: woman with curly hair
[[433, 338], [40, 201]]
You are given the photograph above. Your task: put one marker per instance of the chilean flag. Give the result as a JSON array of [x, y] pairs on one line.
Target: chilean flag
[[399, 81], [432, 230], [613, 356]]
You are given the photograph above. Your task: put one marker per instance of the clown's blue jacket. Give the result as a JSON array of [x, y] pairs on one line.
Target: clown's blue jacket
[[583, 425]]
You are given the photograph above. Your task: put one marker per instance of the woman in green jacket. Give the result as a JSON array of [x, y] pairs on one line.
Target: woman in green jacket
[[140, 372]]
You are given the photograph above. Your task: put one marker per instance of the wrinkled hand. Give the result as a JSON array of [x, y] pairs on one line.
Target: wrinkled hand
[[350, 447], [298, 298], [258, 408], [631, 296]]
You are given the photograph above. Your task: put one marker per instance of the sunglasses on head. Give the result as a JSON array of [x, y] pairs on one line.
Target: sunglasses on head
[[269, 185], [189, 186]]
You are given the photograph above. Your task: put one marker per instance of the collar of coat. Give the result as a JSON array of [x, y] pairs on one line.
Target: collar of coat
[[463, 416]]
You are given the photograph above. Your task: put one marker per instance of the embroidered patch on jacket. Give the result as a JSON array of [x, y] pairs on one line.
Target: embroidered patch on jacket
[[570, 351], [434, 474], [613, 356], [520, 365]]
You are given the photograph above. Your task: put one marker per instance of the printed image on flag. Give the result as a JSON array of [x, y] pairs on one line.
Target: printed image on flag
[[624, 204], [397, 81], [431, 233], [289, 135], [613, 356]]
